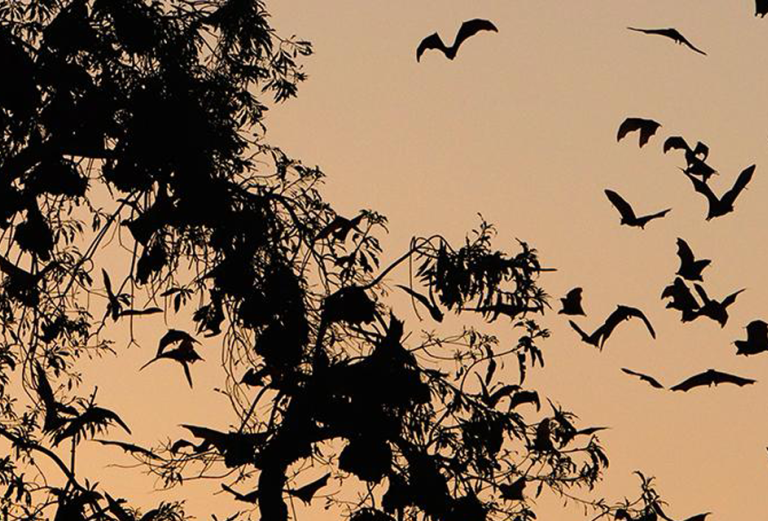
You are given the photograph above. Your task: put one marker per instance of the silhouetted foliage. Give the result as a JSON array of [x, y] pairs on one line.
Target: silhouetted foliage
[[141, 123]]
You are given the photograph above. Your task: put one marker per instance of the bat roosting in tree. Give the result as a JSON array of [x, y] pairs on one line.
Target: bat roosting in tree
[[628, 216], [647, 128], [674, 34], [468, 28], [709, 378]]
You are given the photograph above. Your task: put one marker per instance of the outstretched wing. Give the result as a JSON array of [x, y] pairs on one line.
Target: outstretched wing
[[679, 38], [694, 381], [432, 41], [676, 143], [718, 377], [470, 28], [626, 211], [685, 253], [730, 299], [628, 312], [627, 126], [742, 181], [644, 377], [704, 189]]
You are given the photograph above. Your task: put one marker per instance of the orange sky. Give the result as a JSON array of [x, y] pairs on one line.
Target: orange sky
[[521, 127]]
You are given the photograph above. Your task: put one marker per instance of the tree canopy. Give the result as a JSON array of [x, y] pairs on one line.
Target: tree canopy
[[135, 180]]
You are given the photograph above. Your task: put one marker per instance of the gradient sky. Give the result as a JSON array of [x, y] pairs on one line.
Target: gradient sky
[[521, 127]]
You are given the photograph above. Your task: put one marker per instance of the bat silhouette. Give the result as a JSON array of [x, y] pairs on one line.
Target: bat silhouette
[[53, 409], [719, 206], [572, 303], [428, 303], [695, 158], [672, 33], [340, 228], [717, 311], [467, 29], [647, 128], [93, 419], [644, 377], [308, 491], [710, 378], [690, 269], [602, 333], [250, 497], [761, 8], [682, 299], [185, 353], [757, 339], [628, 216], [129, 447]]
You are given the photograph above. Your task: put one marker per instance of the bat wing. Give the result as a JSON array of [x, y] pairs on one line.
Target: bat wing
[[694, 381], [730, 299], [648, 129], [682, 39], [741, 183], [676, 143], [434, 311], [701, 150], [644, 377], [718, 378], [761, 8], [627, 126], [470, 28], [685, 253], [626, 211], [629, 312], [704, 189], [757, 329], [307, 492], [432, 41]]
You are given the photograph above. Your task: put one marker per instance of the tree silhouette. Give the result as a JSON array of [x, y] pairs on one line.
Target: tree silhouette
[[142, 123]]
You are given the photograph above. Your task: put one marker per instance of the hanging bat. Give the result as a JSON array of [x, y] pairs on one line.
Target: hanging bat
[[672, 33], [757, 339], [468, 28], [719, 206], [761, 8], [647, 128], [710, 378], [644, 377], [690, 268], [717, 311], [572, 303], [628, 216], [308, 491]]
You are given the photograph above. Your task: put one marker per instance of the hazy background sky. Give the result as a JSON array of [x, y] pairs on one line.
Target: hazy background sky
[[521, 127]]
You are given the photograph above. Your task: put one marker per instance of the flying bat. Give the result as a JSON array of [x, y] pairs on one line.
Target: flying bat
[[620, 314], [682, 299], [757, 339], [695, 158], [719, 206], [710, 378], [717, 311], [468, 28], [628, 216], [644, 377], [647, 128], [761, 8], [672, 33], [185, 353], [572, 303], [690, 269], [428, 303]]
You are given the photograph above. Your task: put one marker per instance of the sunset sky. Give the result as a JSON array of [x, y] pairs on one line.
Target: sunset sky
[[521, 127]]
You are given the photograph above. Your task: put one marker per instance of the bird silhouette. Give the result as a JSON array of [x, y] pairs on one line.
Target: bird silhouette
[[644, 377], [719, 206], [695, 158], [628, 216], [690, 269], [682, 299], [761, 8], [308, 491], [602, 333], [716, 310], [709, 378], [671, 33], [467, 29], [757, 339], [572, 303], [185, 353], [647, 128]]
